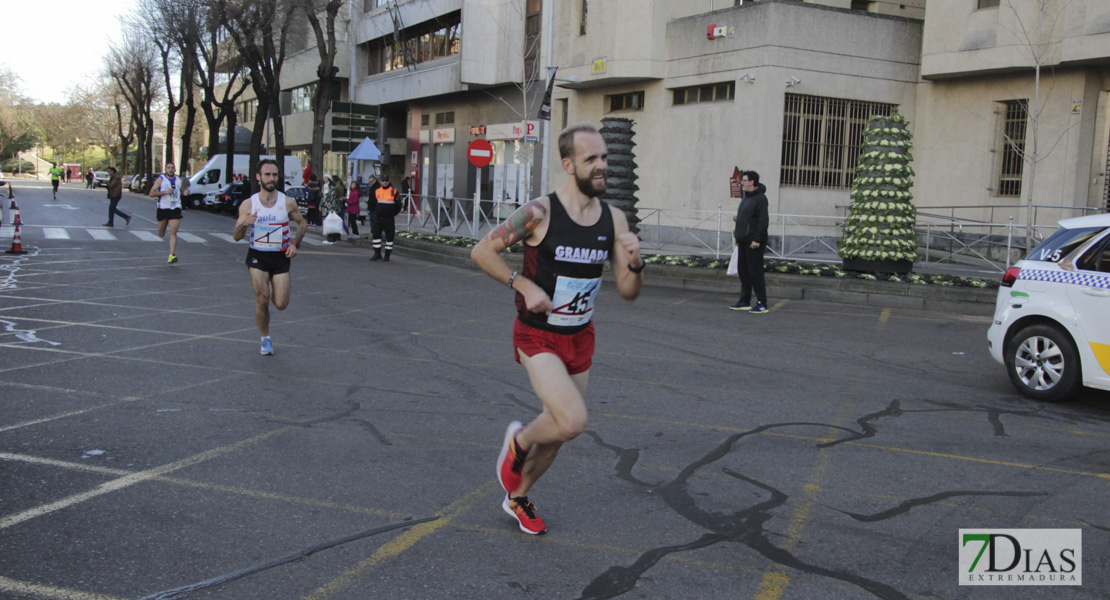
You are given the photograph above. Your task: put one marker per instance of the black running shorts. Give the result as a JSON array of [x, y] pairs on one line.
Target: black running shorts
[[168, 214], [272, 262]]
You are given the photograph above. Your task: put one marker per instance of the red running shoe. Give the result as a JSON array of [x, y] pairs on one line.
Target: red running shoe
[[525, 514], [510, 463]]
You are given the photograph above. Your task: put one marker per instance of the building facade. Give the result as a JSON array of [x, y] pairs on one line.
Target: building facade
[[447, 72], [782, 87], [983, 111]]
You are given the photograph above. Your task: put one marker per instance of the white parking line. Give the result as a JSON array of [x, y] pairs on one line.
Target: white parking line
[[55, 233], [134, 478], [101, 234]]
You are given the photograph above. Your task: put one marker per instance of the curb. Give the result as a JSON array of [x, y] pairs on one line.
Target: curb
[[857, 292]]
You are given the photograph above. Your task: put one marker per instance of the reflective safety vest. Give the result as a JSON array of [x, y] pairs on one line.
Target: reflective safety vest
[[386, 194]]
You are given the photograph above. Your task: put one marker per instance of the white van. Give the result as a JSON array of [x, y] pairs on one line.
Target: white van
[[210, 179]]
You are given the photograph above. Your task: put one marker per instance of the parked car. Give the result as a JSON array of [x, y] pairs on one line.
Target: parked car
[[137, 183], [300, 194], [100, 179], [228, 198], [1051, 328]]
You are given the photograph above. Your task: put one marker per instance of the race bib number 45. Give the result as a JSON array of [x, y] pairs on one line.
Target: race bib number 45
[[573, 301]]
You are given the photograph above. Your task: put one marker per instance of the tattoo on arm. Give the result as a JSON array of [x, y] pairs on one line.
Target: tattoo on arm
[[520, 223]]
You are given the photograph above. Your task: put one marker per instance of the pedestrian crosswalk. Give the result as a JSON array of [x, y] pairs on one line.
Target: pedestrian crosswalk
[[101, 234]]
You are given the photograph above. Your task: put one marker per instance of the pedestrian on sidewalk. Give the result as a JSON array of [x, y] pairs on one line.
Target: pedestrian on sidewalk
[[750, 239], [568, 235], [115, 192], [313, 212], [353, 198], [89, 177]]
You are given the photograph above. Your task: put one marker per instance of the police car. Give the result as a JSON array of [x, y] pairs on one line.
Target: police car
[[1051, 325]]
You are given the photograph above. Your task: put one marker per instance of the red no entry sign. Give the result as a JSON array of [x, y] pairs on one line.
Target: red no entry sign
[[479, 153]]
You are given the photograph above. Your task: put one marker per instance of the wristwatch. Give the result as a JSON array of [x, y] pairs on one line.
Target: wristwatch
[[639, 269]]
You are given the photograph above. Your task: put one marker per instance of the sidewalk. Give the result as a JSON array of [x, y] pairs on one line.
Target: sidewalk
[[959, 300]]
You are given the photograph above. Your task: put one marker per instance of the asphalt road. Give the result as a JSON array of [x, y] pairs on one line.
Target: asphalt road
[[818, 451]]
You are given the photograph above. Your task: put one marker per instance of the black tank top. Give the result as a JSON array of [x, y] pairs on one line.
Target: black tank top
[[567, 265]]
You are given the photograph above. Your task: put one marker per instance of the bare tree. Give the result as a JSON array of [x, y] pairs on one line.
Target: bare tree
[[259, 31], [132, 66], [125, 139], [326, 72], [95, 105], [177, 31], [219, 76], [1039, 41]]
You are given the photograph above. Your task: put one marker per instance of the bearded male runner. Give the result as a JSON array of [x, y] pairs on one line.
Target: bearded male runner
[[265, 216], [568, 235]]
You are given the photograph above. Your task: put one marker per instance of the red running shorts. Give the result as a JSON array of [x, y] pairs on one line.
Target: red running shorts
[[576, 350]]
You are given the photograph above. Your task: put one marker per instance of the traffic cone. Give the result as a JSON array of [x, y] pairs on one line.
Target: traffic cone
[[17, 243], [15, 214]]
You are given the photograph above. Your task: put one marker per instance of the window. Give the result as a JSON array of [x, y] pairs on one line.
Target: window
[[426, 41], [582, 21], [1012, 163], [861, 4], [633, 101], [713, 92], [821, 140], [247, 111], [301, 98], [988, 3], [425, 119], [445, 118], [532, 24], [1097, 258]]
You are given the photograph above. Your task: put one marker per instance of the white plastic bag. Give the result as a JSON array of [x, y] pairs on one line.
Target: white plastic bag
[[333, 224], [732, 269]]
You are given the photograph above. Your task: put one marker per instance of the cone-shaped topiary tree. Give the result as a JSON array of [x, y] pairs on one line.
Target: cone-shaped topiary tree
[[621, 176], [879, 234]]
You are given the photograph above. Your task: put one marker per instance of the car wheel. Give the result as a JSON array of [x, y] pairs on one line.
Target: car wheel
[[1043, 363], [195, 202]]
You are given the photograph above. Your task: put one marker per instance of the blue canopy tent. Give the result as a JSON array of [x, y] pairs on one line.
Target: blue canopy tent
[[366, 150]]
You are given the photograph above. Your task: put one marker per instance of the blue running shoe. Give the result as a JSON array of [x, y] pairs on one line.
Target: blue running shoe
[[267, 346], [759, 309]]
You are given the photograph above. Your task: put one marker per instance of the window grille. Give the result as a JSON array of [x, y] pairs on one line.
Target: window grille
[[821, 140], [425, 119], [582, 21], [1012, 164], [445, 118]]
